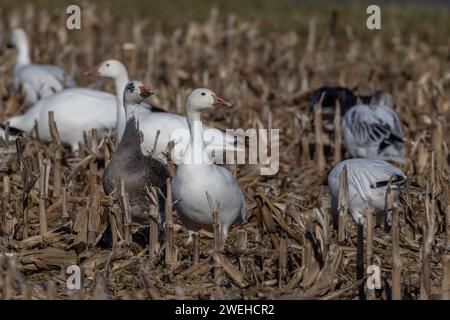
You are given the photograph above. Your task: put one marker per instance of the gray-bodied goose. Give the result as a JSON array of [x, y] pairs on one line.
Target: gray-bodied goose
[[129, 163]]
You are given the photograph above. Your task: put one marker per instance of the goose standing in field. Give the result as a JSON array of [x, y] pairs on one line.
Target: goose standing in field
[[374, 131], [129, 163], [197, 175], [35, 80], [367, 184], [75, 110], [152, 122]]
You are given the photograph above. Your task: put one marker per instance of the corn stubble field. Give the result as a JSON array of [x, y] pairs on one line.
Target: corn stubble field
[[54, 211]]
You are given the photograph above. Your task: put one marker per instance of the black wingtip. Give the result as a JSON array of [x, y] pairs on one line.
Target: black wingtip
[[415, 184], [395, 138], [395, 180], [12, 131], [157, 109]]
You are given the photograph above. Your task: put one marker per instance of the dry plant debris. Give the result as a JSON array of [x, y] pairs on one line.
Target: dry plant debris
[[54, 212]]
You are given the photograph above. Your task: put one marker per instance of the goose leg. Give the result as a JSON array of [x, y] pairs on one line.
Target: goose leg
[[224, 236], [190, 239]]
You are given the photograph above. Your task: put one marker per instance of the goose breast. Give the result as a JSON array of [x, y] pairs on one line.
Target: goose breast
[[190, 185]]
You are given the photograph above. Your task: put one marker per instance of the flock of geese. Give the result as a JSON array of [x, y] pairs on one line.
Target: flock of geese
[[371, 131]]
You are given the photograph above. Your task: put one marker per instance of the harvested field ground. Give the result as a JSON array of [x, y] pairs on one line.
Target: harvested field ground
[[289, 248]]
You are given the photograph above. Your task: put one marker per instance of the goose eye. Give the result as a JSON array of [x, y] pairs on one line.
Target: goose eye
[[130, 87], [203, 94], [107, 64]]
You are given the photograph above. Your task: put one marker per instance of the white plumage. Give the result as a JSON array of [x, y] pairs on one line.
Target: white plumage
[[35, 81], [367, 184], [197, 175], [75, 110], [151, 122], [374, 131]]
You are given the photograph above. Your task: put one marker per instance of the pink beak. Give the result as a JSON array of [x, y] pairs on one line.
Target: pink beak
[[219, 102], [93, 72], [146, 92]]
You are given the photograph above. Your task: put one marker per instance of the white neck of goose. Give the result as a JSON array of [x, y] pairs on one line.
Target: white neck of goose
[[195, 152], [130, 110], [23, 53], [120, 83]]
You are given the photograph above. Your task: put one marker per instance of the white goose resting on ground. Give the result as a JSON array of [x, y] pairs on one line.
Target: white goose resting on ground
[[130, 164], [75, 110], [152, 122], [367, 184], [35, 80], [374, 131], [196, 176]]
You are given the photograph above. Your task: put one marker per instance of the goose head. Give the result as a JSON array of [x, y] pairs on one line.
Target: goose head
[[135, 92], [109, 69], [382, 98], [17, 38], [201, 98]]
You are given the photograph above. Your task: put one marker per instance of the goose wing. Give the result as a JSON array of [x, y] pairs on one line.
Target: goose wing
[[39, 81], [373, 127], [61, 75], [365, 176]]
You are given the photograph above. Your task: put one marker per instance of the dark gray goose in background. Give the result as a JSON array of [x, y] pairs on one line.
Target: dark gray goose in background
[[374, 130], [129, 163], [346, 97]]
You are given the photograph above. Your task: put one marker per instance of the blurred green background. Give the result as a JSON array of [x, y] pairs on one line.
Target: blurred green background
[[428, 21], [424, 18]]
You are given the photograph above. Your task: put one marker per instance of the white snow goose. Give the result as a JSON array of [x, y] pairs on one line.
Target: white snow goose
[[196, 176], [367, 184], [137, 170], [374, 131], [152, 122], [75, 110], [35, 81]]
